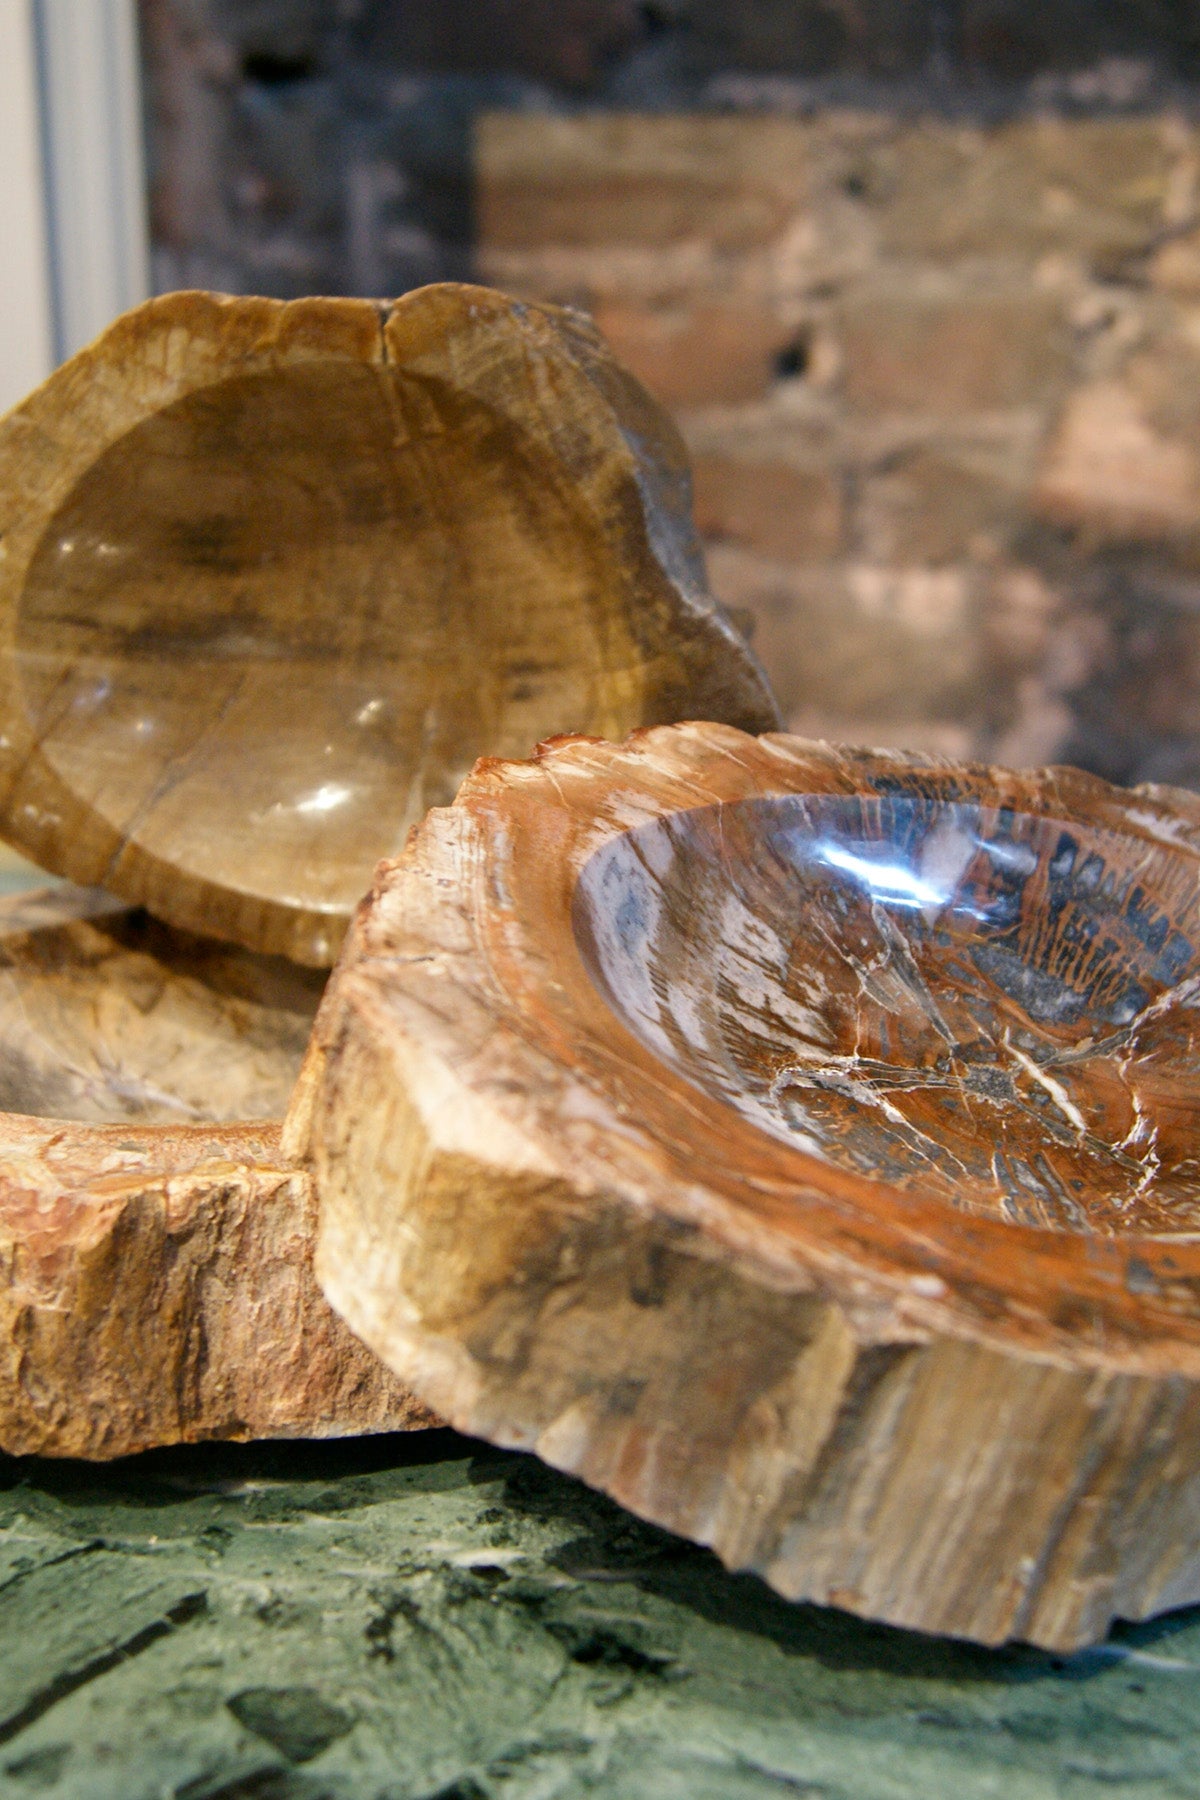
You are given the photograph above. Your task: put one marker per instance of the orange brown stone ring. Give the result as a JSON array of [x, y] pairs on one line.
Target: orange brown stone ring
[[802, 1145]]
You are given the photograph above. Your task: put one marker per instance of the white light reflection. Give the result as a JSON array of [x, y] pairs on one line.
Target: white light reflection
[[886, 881], [325, 798], [92, 696]]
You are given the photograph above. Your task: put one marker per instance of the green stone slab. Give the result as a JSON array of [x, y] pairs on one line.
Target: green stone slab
[[413, 1617]]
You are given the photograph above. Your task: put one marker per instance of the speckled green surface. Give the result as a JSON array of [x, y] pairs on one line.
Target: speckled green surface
[[418, 1617]]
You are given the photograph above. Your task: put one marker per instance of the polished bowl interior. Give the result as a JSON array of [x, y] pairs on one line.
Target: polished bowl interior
[[958, 999], [275, 575], [278, 619]]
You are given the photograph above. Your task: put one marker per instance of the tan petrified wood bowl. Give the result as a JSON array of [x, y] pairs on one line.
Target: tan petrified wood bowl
[[802, 1145], [274, 575], [271, 577], [156, 1255]]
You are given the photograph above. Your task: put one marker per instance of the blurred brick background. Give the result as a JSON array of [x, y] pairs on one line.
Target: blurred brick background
[[920, 282]]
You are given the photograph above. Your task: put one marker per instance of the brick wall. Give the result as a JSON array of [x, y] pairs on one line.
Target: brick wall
[[921, 285], [941, 384], [327, 144]]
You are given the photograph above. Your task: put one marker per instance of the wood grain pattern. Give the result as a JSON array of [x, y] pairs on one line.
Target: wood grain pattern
[[156, 1287], [274, 575], [798, 1144]]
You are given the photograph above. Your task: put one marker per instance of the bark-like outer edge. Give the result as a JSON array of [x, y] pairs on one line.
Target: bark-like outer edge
[[156, 1287]]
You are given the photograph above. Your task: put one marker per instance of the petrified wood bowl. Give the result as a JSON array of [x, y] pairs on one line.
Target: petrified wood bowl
[[155, 1254], [804, 1146], [273, 576]]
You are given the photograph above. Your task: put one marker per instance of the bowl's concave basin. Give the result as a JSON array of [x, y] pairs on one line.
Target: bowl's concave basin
[[277, 620], [993, 1008], [108, 1017]]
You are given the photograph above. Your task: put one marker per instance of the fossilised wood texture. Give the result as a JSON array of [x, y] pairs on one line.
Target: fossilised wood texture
[[156, 1275], [801, 1145], [105, 1015], [274, 575], [156, 1286]]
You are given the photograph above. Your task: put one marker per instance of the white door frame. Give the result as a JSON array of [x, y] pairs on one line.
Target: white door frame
[[26, 328], [73, 198]]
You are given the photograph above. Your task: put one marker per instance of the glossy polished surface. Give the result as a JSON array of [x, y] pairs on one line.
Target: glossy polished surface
[[273, 624], [274, 576], [1000, 1009]]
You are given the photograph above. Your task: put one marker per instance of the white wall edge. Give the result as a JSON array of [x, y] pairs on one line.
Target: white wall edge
[[26, 332], [96, 227]]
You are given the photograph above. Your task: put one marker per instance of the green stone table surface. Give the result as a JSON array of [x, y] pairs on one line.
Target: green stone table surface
[[418, 1616]]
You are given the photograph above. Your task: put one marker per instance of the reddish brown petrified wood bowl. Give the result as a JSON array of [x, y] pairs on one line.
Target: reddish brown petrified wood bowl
[[804, 1146]]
